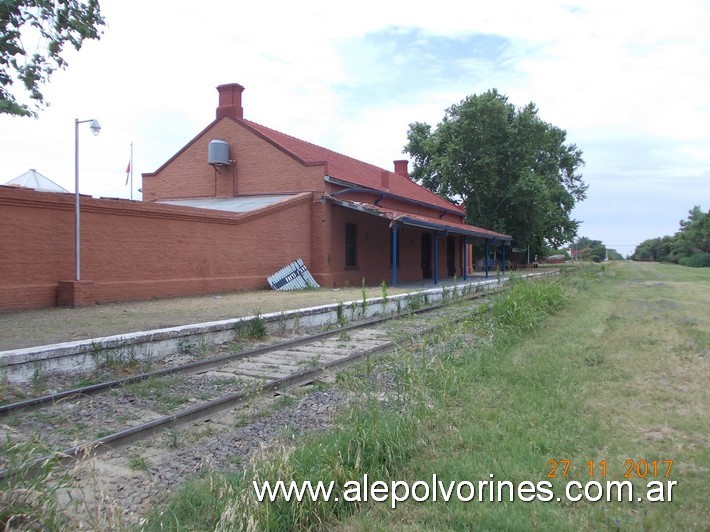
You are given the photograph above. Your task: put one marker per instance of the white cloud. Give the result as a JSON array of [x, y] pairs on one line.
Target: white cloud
[[628, 80]]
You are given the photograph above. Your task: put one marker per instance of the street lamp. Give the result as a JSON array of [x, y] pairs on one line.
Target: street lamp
[[95, 129]]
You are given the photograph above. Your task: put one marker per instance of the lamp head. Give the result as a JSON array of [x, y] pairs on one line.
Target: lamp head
[[95, 127]]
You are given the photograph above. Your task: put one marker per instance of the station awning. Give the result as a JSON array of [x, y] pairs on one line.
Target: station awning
[[421, 222]]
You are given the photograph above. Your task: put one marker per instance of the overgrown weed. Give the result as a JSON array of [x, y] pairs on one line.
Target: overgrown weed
[[40, 492], [525, 304], [253, 329]]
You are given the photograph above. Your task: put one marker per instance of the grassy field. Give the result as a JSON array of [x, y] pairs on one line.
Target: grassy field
[[620, 374]]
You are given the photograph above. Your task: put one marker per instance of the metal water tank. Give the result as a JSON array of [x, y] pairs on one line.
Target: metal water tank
[[218, 153]]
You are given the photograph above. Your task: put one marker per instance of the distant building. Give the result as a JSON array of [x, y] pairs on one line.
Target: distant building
[[36, 181], [575, 254], [556, 259]]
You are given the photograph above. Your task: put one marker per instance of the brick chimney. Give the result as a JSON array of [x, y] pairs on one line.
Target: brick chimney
[[230, 101], [400, 168]]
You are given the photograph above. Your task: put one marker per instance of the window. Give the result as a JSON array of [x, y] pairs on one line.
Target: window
[[350, 245]]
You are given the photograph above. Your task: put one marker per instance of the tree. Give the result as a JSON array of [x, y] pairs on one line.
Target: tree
[[693, 236], [654, 249], [51, 23], [594, 250], [583, 242], [692, 239], [512, 171], [614, 255], [596, 253], [590, 249]]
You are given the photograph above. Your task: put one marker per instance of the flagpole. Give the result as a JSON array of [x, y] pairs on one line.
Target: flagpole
[[131, 171]]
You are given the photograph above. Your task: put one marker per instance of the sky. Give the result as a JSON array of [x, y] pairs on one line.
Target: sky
[[628, 80]]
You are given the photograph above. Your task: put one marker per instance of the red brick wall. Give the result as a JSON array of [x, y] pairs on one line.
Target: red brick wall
[[373, 250], [134, 250], [262, 168], [320, 240], [373, 244], [259, 168]]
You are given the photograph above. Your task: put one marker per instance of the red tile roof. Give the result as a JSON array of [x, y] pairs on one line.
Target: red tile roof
[[351, 170]]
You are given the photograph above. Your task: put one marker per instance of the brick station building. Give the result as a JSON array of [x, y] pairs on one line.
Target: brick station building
[[363, 218], [234, 205]]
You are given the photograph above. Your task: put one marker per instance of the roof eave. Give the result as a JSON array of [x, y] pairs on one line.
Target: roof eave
[[406, 220], [360, 188], [447, 229]]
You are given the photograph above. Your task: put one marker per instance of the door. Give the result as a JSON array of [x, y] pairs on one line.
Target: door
[[426, 256], [451, 256]]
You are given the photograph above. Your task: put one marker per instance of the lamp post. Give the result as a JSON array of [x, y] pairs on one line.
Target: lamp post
[[95, 129]]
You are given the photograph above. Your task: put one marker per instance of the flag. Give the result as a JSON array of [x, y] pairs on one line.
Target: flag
[[128, 171]]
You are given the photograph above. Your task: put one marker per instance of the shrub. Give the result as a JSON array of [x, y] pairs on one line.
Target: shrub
[[699, 260]]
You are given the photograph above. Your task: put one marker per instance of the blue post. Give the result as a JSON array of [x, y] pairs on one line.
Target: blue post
[[486, 259], [394, 255], [436, 258], [503, 256], [464, 250]]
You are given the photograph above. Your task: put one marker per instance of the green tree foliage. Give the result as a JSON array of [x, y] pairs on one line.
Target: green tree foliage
[[693, 236], [513, 171], [590, 249], [614, 255], [654, 250], [584, 242], [52, 24], [692, 239], [595, 250]]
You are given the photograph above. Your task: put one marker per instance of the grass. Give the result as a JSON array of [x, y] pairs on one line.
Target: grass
[[164, 394], [607, 364], [620, 375], [138, 462], [30, 497], [48, 494]]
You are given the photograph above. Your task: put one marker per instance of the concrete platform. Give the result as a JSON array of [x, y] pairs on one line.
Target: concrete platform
[[83, 356]]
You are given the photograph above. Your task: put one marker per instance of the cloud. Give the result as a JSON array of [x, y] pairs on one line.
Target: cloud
[[627, 81]]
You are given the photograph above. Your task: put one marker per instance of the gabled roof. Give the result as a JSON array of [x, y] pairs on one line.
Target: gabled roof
[[33, 179], [426, 222], [351, 170], [341, 167]]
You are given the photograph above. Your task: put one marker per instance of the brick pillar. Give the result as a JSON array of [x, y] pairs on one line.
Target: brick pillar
[[75, 293]]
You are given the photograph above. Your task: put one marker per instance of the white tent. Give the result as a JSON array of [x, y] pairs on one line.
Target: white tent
[[33, 179]]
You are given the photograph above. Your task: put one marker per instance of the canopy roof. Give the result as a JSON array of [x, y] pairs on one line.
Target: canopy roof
[[424, 222]]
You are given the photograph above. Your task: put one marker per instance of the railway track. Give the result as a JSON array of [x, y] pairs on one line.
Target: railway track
[[117, 413]]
